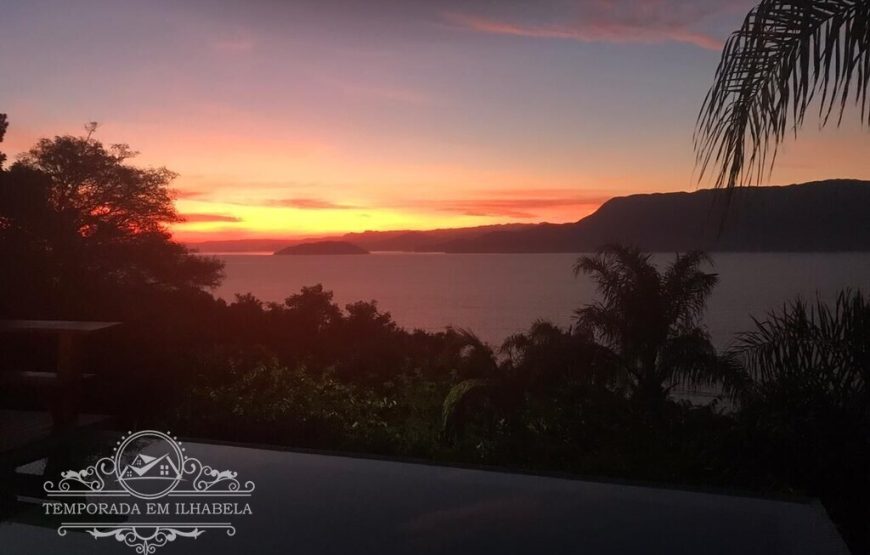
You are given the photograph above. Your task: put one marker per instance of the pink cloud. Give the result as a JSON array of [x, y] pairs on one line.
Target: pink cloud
[[646, 22]]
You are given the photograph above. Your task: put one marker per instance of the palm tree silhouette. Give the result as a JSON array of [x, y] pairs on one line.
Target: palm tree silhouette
[[644, 334], [807, 356], [533, 363], [650, 320], [784, 54]]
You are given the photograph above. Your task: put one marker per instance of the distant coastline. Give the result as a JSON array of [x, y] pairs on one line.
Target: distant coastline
[[821, 216]]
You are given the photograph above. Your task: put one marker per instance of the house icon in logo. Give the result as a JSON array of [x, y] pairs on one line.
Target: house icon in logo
[[146, 467], [149, 464]]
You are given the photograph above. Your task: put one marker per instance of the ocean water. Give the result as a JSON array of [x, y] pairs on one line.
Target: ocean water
[[496, 295]]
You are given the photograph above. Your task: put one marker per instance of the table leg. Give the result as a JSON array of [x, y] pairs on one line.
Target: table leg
[[65, 405]]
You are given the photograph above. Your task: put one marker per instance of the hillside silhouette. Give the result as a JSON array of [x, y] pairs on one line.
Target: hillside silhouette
[[820, 216], [322, 247]]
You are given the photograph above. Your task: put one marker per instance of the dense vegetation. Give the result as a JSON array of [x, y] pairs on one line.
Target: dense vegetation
[[83, 236]]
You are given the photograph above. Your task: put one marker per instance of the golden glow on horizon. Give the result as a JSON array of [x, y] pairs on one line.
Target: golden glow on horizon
[[221, 221], [348, 187], [278, 220], [290, 120]]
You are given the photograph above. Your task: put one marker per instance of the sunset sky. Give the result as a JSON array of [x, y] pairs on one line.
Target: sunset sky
[[290, 118]]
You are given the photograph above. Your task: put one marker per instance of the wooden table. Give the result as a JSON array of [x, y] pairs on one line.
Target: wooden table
[[64, 384]]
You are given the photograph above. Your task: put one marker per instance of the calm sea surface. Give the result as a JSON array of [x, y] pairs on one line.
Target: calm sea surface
[[496, 295]]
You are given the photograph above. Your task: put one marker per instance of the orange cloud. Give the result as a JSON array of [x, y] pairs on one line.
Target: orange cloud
[[311, 204], [518, 208], [188, 194], [209, 218]]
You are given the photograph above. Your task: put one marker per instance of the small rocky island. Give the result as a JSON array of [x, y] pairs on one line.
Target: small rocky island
[[323, 247]]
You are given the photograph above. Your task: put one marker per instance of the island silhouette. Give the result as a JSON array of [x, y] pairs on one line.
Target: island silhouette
[[323, 247]]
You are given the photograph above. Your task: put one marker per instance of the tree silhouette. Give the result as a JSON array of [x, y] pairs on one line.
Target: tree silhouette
[[650, 321], [3, 125], [772, 68], [99, 190], [87, 230]]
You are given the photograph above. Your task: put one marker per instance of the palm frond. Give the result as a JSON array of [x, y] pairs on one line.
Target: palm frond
[[687, 288], [817, 349], [686, 357], [618, 270], [456, 406], [476, 357], [771, 68], [603, 322]]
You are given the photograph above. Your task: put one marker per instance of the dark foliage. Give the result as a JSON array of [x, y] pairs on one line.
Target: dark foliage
[[87, 233], [807, 402], [3, 125]]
